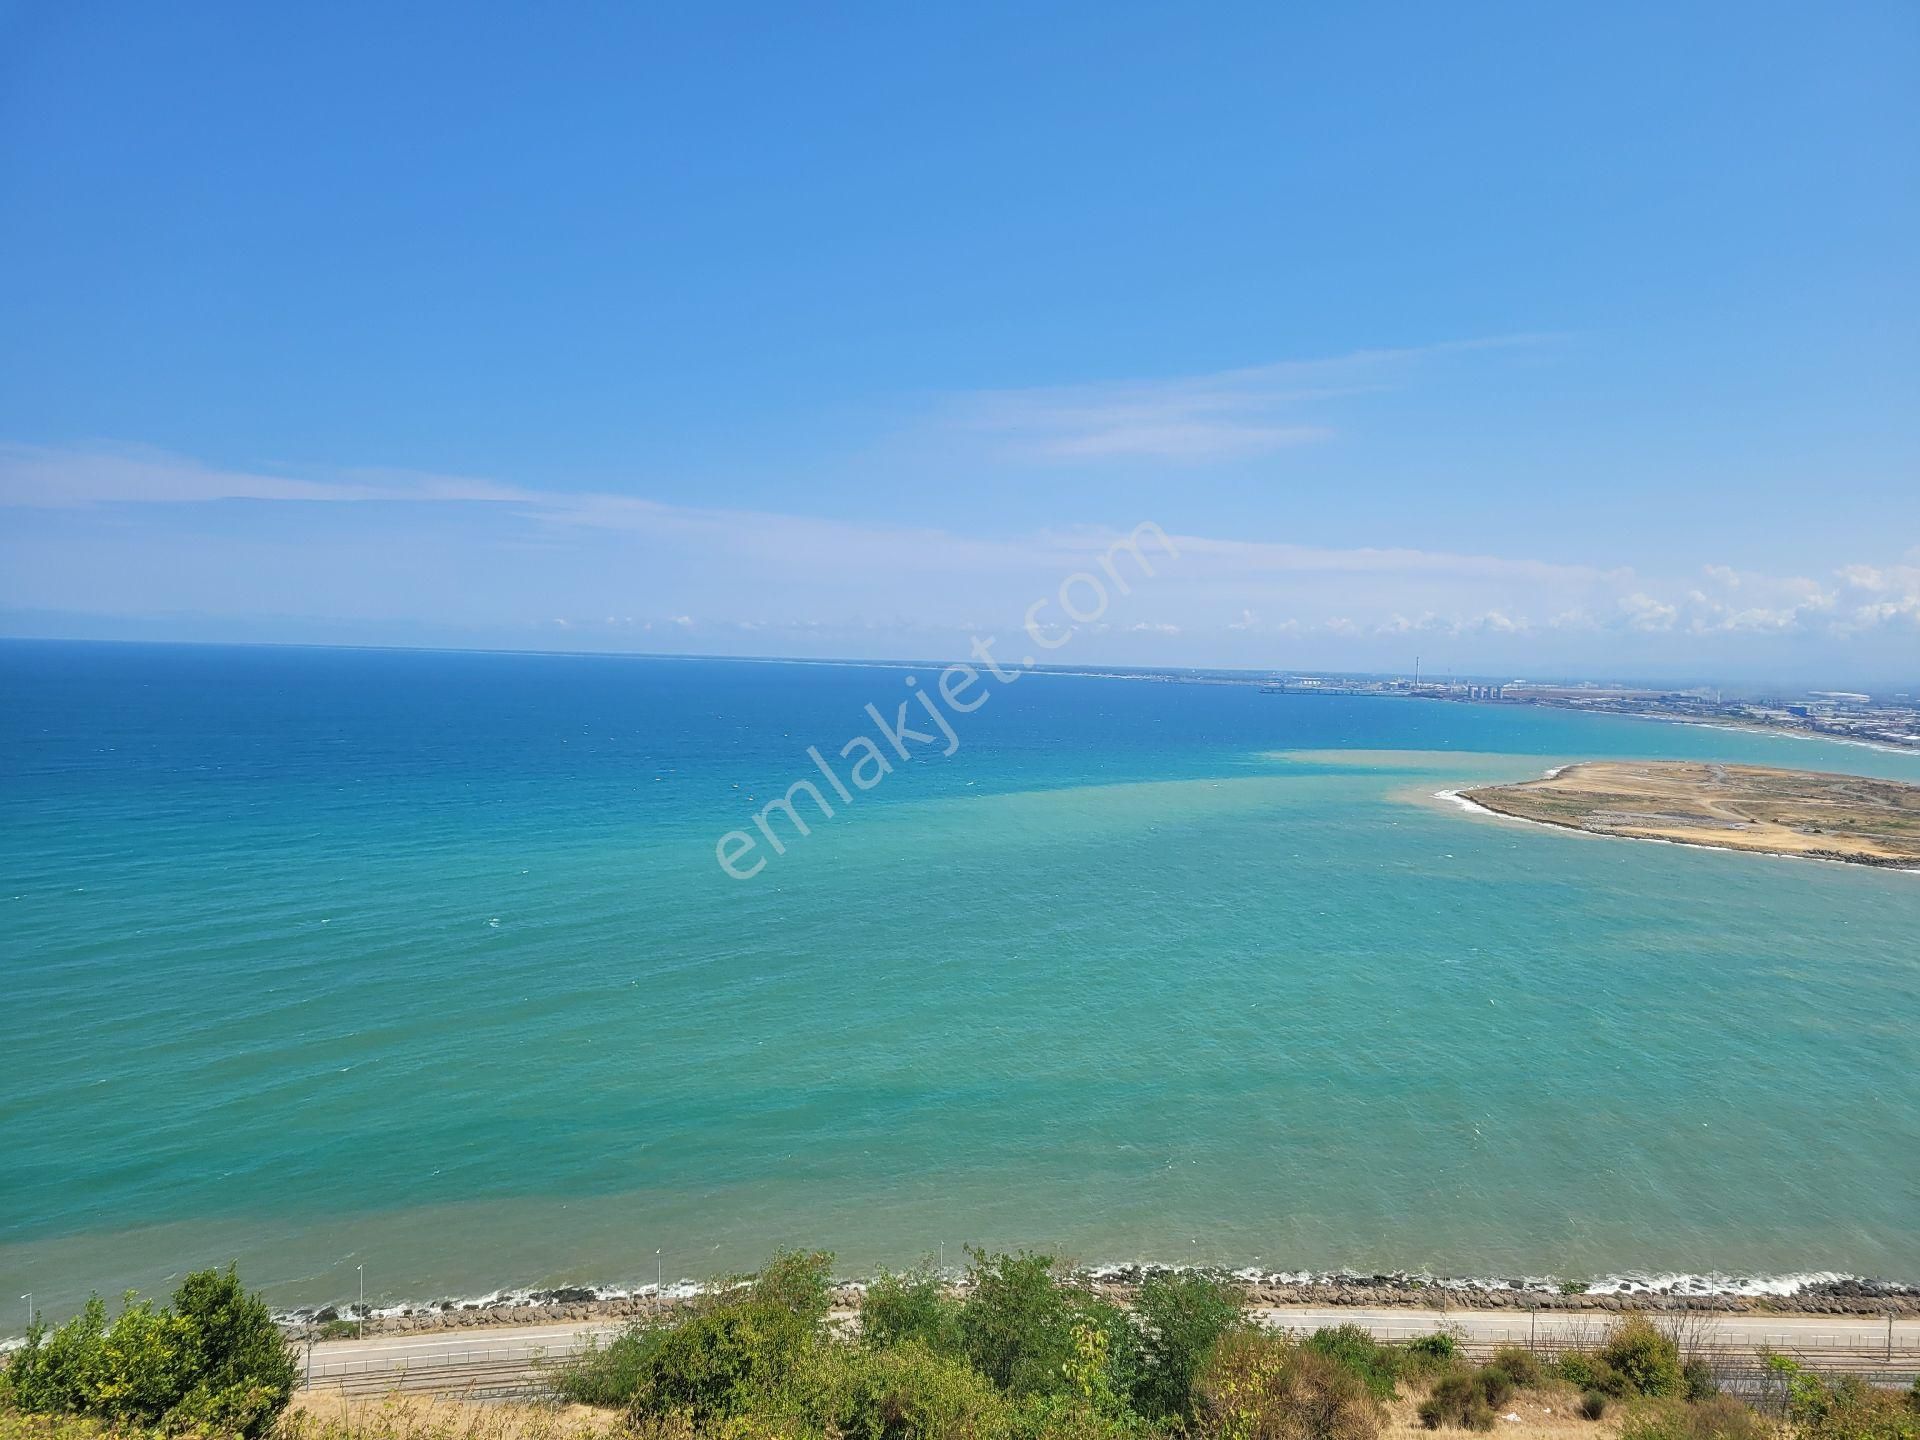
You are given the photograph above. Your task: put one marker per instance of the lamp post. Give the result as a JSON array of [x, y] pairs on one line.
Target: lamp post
[[28, 1297], [361, 1271]]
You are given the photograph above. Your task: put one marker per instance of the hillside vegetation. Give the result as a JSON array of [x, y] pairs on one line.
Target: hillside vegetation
[[1023, 1352]]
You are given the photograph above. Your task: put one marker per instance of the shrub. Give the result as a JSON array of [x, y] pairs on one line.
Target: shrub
[[900, 1392], [1847, 1409], [1024, 1329], [242, 1372], [1108, 1360], [61, 1371], [1697, 1380], [1593, 1404], [1056, 1417], [1184, 1317], [1465, 1399], [1354, 1348], [730, 1348], [1259, 1386], [1495, 1384], [1720, 1418], [796, 1281], [1432, 1354], [1589, 1372], [213, 1361], [717, 1363], [913, 1306], [611, 1373], [1644, 1361], [1522, 1367], [1016, 1326]]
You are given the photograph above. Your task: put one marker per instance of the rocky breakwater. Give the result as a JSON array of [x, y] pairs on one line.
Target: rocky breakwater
[[589, 1306], [1838, 1296]]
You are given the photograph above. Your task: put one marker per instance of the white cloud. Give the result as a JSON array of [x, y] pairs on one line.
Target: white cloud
[[1643, 612], [1189, 419], [81, 542]]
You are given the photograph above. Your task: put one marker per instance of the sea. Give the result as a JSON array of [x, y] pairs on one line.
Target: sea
[[421, 969]]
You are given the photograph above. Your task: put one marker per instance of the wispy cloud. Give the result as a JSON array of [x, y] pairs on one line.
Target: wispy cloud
[[1192, 419], [114, 530], [64, 477]]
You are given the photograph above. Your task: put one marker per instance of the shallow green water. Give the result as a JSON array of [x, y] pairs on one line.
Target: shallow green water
[[423, 962]]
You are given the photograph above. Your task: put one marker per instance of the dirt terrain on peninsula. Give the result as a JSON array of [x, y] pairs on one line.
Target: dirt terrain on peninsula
[[1804, 813]]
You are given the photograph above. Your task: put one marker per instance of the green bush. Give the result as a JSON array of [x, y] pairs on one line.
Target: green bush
[[913, 1306], [1593, 1404], [212, 1361], [1183, 1317], [1589, 1372], [902, 1392], [1847, 1409], [1353, 1348], [727, 1350], [1522, 1367], [1016, 1326], [1058, 1417], [1719, 1418], [1697, 1380], [1260, 1386], [1020, 1323], [1459, 1401], [1644, 1361], [719, 1362], [1495, 1385], [797, 1281], [608, 1373], [1433, 1354]]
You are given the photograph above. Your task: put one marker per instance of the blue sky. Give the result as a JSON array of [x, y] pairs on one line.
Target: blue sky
[[1531, 339]]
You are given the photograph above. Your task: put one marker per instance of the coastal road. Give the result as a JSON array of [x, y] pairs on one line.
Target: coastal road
[[506, 1359], [1811, 1335]]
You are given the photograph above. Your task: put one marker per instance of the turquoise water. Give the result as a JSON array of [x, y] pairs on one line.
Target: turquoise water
[[423, 962]]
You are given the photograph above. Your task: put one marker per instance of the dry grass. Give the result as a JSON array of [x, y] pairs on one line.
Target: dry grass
[[324, 1415], [1547, 1412], [1737, 807]]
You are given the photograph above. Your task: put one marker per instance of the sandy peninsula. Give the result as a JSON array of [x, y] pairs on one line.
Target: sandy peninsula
[[1804, 813]]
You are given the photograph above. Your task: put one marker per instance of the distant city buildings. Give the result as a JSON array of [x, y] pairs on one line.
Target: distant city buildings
[[1838, 714]]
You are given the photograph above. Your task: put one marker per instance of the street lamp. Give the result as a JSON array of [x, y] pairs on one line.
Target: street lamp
[[28, 1297], [361, 1271]]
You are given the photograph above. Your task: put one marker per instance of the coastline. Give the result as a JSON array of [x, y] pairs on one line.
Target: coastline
[[1783, 732], [1806, 1294]]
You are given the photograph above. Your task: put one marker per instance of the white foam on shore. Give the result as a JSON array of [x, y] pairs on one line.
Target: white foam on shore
[[1682, 1284]]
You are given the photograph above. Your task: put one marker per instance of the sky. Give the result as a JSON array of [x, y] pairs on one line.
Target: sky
[[1528, 340]]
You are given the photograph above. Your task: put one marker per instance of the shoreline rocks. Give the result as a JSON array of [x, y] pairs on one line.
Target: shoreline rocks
[[589, 1305]]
